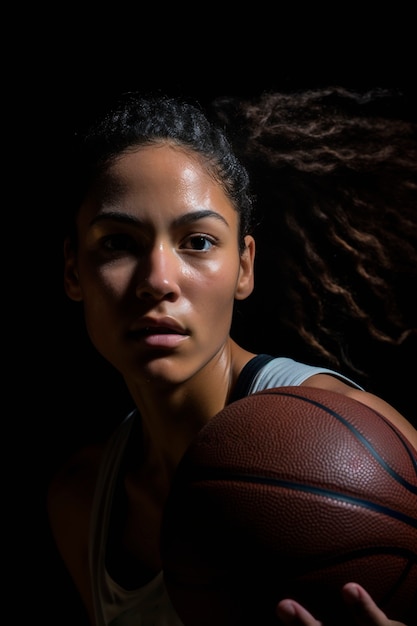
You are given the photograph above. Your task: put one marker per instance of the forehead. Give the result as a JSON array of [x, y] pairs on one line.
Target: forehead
[[162, 166], [161, 176], [167, 159]]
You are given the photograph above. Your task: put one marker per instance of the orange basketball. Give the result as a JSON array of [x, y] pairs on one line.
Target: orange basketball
[[292, 492]]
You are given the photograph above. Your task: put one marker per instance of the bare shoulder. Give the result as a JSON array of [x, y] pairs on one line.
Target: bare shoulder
[[72, 486], [325, 381], [69, 502]]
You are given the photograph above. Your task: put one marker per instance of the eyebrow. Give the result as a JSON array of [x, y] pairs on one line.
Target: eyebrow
[[187, 218]]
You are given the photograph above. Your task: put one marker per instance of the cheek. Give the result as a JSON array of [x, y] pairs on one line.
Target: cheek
[[105, 290], [107, 282], [213, 292]]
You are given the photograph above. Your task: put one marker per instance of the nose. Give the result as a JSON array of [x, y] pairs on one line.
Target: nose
[[159, 275]]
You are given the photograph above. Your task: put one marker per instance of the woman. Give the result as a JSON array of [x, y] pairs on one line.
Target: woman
[[160, 249]]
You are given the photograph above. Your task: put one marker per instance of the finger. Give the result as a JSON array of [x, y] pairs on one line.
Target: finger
[[364, 610], [290, 612]]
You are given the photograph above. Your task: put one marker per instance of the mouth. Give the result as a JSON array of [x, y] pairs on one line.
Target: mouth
[[162, 334], [158, 330]]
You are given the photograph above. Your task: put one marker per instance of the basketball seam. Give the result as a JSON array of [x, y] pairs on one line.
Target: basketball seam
[[218, 476], [362, 439]]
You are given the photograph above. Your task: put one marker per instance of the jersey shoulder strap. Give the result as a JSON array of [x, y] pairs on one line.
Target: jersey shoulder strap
[[247, 374]]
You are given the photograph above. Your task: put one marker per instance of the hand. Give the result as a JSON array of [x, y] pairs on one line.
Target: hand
[[363, 609]]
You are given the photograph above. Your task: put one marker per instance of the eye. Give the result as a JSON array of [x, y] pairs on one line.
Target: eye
[[119, 242], [199, 242]]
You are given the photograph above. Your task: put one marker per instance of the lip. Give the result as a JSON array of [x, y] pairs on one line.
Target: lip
[[162, 325], [164, 332]]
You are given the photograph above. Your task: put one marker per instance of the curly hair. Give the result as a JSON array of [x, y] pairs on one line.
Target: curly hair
[[133, 120], [334, 172]]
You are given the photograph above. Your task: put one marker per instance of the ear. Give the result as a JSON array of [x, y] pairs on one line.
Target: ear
[[245, 281], [71, 281]]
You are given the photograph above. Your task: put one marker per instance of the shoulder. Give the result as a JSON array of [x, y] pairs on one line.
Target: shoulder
[[69, 502], [76, 477], [70, 492]]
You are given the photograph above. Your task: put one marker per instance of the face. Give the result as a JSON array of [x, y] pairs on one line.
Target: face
[[158, 265]]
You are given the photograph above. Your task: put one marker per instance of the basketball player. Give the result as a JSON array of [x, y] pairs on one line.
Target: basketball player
[[159, 250]]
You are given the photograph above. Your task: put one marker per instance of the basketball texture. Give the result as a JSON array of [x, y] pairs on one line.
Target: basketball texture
[[292, 492]]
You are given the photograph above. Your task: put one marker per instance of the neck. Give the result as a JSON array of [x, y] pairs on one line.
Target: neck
[[172, 414]]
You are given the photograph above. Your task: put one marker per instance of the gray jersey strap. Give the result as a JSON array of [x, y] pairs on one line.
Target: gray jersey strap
[[246, 375]]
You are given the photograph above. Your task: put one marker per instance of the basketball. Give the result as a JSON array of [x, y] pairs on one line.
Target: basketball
[[291, 493]]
